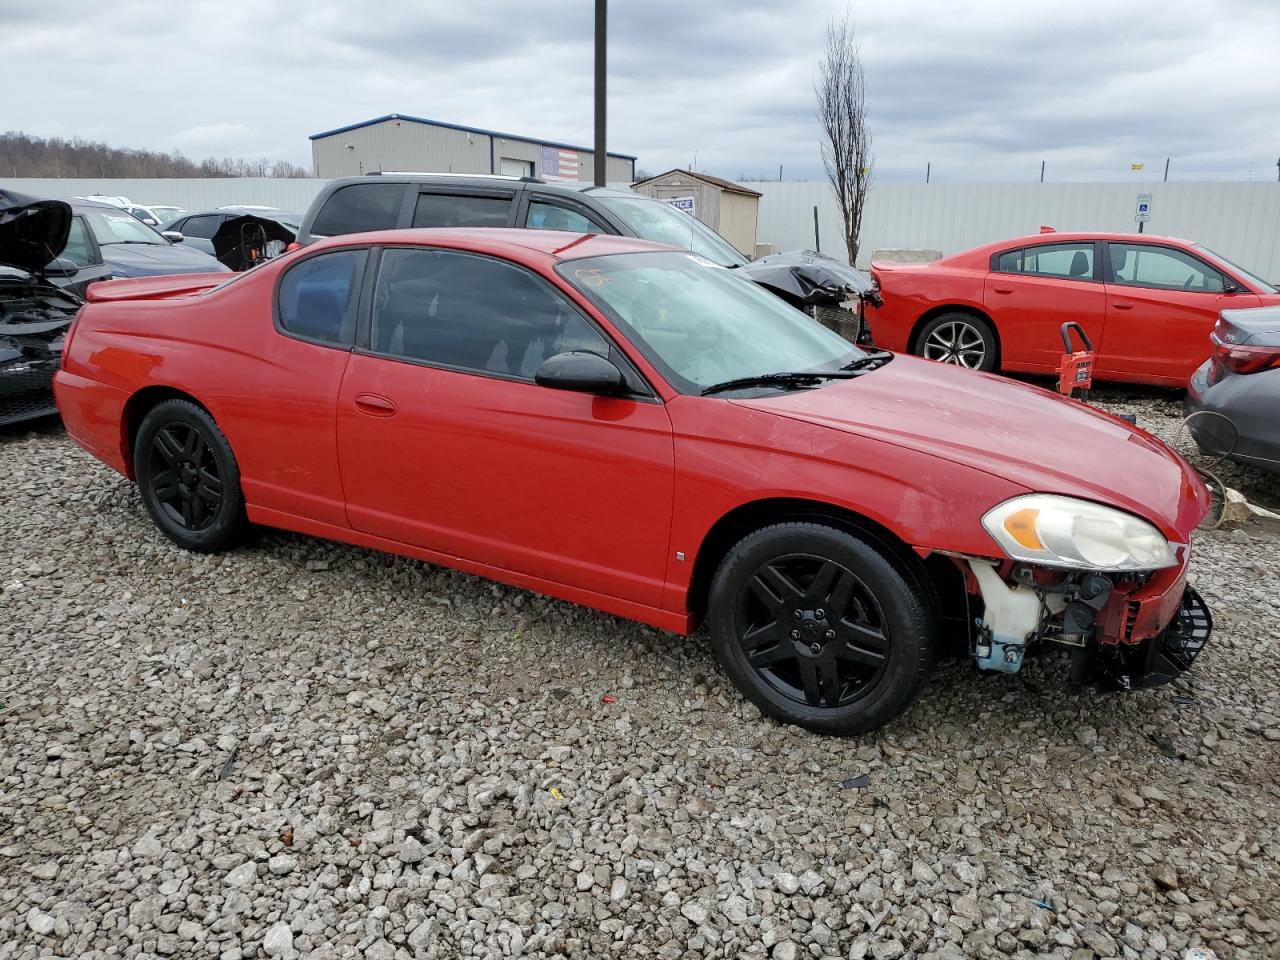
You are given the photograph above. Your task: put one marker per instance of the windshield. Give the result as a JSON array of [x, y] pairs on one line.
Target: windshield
[[699, 323], [663, 223], [118, 226], [1261, 285]]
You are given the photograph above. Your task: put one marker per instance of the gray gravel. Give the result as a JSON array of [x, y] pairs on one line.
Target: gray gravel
[[305, 749]]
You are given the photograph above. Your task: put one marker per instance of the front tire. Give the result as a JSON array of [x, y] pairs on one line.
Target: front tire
[[821, 629], [960, 339], [188, 477]]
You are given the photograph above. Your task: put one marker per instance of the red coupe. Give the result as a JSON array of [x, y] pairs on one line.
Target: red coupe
[[1148, 304], [634, 428]]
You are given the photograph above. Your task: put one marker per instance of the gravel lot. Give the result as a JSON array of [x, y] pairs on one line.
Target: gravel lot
[[305, 749]]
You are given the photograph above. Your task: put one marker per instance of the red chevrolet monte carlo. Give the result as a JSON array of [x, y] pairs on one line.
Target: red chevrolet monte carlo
[[1148, 304], [634, 428]]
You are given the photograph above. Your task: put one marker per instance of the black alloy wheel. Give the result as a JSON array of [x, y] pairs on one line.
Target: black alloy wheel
[[185, 476], [188, 477], [821, 628], [812, 630]]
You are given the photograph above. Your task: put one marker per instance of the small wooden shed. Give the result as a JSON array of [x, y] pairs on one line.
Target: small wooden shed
[[728, 208]]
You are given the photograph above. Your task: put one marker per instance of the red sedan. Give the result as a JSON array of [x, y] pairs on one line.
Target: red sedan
[[1148, 304], [634, 428]]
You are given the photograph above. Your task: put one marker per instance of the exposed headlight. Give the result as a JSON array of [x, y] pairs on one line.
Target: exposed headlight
[[1065, 532]]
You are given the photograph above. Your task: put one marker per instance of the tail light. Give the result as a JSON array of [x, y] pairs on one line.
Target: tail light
[[1245, 358]]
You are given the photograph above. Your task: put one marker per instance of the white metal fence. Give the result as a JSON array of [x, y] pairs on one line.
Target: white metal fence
[[1241, 221], [190, 194]]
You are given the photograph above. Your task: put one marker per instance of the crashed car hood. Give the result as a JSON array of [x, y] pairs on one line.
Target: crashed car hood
[[32, 231], [810, 277], [1024, 434], [157, 259]]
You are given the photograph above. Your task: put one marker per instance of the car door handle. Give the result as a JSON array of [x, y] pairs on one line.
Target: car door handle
[[1121, 305], [1002, 289], [375, 405]]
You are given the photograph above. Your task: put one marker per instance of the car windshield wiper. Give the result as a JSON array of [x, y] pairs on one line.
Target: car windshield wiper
[[807, 378], [876, 358], [145, 243]]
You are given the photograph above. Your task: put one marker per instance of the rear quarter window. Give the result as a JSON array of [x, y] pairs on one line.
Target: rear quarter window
[[316, 297], [358, 207]]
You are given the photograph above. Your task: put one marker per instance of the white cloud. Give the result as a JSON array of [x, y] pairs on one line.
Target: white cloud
[[731, 79]]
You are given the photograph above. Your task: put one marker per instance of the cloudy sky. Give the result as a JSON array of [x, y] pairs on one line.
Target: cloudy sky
[[729, 81]]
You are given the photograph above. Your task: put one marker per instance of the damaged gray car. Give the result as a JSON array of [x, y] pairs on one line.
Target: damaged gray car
[[36, 305]]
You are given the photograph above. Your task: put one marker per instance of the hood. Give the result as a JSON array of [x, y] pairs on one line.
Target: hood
[[157, 259], [32, 231], [242, 242], [1021, 433], [810, 277]]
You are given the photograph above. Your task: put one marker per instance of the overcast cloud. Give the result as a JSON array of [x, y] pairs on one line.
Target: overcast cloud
[[731, 80]]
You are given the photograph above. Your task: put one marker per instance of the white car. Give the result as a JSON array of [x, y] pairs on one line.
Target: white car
[[151, 216]]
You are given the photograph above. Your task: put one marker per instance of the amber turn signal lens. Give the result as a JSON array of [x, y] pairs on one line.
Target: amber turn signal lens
[[1022, 527]]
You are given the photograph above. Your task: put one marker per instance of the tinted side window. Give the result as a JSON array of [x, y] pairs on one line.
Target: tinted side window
[[316, 297], [358, 207], [453, 210], [1066, 261], [473, 312], [78, 249], [1162, 268], [552, 216], [202, 227]]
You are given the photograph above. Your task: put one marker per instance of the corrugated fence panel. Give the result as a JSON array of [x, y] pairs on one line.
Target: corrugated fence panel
[[192, 194], [1241, 221]]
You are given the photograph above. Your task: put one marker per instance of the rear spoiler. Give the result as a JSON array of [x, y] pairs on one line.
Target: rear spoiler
[[154, 288]]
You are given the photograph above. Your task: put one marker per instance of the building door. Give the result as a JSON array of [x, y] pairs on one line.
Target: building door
[[515, 168]]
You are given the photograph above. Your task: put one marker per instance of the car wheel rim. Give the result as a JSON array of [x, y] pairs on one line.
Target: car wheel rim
[[185, 478], [812, 630], [956, 342]]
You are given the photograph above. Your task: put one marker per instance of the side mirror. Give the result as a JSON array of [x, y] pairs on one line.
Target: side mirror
[[1230, 286], [582, 371], [173, 236], [60, 267]]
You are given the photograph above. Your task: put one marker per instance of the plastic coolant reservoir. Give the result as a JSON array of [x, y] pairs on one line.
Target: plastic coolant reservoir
[[1011, 615]]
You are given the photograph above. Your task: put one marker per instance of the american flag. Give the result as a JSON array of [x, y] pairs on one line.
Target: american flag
[[559, 164]]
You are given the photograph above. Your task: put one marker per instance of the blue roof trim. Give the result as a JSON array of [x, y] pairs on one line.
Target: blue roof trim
[[464, 129]]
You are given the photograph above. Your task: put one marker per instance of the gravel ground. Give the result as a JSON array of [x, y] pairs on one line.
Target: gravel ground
[[306, 749]]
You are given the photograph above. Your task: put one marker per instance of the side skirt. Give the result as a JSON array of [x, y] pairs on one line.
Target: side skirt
[[681, 623]]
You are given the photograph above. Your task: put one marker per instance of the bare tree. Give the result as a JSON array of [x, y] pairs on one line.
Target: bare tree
[[842, 111]]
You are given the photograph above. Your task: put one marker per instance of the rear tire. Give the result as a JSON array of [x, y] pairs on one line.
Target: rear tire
[[960, 339], [821, 629], [188, 477]]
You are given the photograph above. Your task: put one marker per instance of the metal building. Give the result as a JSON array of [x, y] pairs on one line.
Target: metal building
[[400, 142]]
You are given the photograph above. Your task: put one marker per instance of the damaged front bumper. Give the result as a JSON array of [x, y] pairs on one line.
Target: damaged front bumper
[[1154, 661], [1124, 632]]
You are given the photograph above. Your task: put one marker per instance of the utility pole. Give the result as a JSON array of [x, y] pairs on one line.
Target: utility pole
[[928, 170], [1042, 171], [602, 157], [1166, 169]]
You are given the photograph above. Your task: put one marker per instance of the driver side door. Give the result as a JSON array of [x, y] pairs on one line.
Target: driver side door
[[1162, 303], [447, 443]]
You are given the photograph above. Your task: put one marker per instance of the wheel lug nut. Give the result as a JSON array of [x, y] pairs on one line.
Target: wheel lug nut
[[831, 634], [819, 613], [795, 634], [799, 615], [815, 648]]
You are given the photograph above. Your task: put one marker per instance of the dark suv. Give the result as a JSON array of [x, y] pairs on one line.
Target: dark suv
[[390, 201]]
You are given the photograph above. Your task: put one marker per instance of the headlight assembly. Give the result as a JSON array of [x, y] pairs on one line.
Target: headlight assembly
[[1064, 532]]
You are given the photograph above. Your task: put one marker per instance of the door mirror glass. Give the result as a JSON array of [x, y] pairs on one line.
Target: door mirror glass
[[173, 236], [60, 267], [582, 371]]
